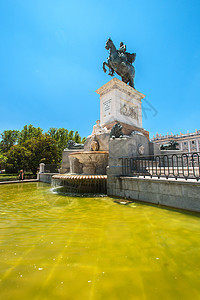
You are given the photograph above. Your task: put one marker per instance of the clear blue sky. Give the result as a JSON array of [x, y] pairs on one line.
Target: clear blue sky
[[51, 55]]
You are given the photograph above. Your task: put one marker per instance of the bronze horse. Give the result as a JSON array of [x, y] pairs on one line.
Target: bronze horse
[[115, 64]]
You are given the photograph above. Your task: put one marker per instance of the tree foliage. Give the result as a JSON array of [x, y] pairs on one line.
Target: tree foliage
[[18, 158], [83, 140], [3, 160], [31, 153], [29, 132], [27, 148], [62, 136], [43, 149], [77, 137], [8, 139]]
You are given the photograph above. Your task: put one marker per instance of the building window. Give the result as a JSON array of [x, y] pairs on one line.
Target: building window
[[185, 143], [193, 142]]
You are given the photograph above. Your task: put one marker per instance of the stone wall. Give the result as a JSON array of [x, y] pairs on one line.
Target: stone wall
[[128, 147], [169, 192], [46, 177], [172, 193], [65, 166]]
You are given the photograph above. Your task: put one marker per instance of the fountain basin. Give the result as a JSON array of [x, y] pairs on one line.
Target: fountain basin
[[89, 162], [75, 183], [87, 173]]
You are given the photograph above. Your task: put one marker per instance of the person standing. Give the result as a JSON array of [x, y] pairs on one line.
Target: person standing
[[21, 175]]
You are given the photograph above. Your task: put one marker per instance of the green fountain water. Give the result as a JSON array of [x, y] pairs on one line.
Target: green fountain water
[[59, 247]]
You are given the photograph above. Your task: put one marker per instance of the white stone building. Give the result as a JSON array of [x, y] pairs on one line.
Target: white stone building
[[188, 142]]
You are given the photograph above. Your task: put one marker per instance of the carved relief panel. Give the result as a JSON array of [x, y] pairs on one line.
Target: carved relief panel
[[128, 109]]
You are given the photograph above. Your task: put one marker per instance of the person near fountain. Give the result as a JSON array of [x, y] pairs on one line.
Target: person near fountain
[[21, 175]]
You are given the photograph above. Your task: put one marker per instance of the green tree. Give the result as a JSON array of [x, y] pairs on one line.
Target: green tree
[[52, 132], [8, 139], [77, 137], [31, 153], [18, 158], [71, 135], [28, 147], [29, 132], [61, 137], [43, 149], [83, 140], [3, 160]]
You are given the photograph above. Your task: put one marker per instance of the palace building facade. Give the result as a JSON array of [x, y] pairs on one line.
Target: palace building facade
[[188, 142]]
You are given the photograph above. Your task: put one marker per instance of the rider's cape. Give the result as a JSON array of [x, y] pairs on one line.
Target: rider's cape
[[130, 57]]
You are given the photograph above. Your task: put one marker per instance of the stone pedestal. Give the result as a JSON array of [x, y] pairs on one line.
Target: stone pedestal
[[121, 103], [42, 167]]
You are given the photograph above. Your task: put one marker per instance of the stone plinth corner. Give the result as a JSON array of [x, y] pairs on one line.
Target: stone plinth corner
[[120, 102]]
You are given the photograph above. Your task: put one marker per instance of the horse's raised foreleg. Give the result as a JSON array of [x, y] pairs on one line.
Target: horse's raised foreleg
[[104, 64], [111, 71]]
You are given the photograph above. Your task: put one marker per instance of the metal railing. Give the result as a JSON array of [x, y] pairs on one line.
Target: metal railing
[[184, 165]]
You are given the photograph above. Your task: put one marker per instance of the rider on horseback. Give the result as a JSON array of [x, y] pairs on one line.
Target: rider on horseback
[[120, 61], [122, 53], [125, 56]]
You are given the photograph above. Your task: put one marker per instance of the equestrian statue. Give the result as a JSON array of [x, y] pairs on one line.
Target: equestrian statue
[[120, 61]]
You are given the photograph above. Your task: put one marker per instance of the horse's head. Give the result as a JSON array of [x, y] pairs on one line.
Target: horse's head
[[108, 44]]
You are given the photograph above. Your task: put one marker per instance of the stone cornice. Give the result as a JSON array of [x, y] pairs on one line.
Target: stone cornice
[[119, 85]]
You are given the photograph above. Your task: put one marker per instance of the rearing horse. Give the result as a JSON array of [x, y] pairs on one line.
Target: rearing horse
[[114, 63]]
